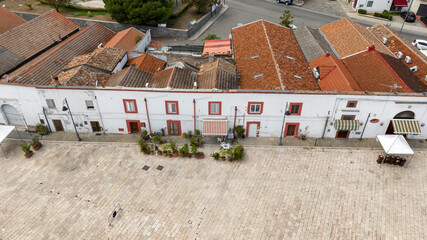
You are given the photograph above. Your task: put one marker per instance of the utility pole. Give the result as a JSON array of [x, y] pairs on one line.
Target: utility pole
[[407, 14]]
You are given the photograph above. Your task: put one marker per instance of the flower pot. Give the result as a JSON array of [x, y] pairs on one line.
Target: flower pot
[[223, 158], [37, 148], [29, 155], [175, 154], [229, 159]]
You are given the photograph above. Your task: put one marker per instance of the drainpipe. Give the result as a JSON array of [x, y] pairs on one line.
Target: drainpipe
[[366, 123], [148, 116], [100, 115], [234, 125], [194, 104], [47, 120], [326, 125]]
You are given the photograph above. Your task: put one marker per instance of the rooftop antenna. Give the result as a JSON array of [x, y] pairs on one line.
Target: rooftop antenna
[[392, 87]]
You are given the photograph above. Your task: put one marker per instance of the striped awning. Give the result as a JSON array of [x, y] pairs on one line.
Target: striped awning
[[406, 126], [346, 125], [215, 127]]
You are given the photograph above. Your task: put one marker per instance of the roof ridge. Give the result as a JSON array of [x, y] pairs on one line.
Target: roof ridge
[[351, 24], [395, 74], [170, 78], [273, 57], [28, 22]]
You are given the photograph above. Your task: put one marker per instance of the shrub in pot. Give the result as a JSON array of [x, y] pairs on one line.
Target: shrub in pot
[[216, 155], [223, 153], [35, 143], [145, 149], [42, 129], [184, 151], [27, 150], [165, 148], [240, 131], [157, 138], [197, 132], [194, 150]]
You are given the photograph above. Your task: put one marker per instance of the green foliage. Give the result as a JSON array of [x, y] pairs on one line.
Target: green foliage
[[211, 36], [172, 146], [376, 14], [35, 142], [157, 138], [29, 6], [286, 19], [26, 148], [145, 148], [137, 39], [238, 152], [184, 150], [385, 14], [202, 5], [149, 12], [194, 150], [216, 156], [240, 131], [165, 147], [362, 11], [42, 129], [144, 133], [197, 132], [57, 4], [223, 152], [181, 10]]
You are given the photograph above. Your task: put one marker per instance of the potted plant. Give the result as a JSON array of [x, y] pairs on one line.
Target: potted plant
[[27, 150], [200, 155], [216, 155], [223, 153], [189, 133], [152, 149], [157, 138], [173, 148], [194, 150], [240, 131], [230, 154], [163, 131], [199, 141], [184, 135], [159, 152], [169, 153], [35, 143], [238, 152], [165, 148], [145, 149], [197, 132], [42, 129]]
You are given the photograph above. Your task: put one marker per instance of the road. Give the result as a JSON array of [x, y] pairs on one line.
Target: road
[[245, 11]]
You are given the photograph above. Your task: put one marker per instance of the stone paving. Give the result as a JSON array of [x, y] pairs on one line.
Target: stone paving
[[68, 190]]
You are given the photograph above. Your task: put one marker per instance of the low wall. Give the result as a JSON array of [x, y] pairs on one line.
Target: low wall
[[155, 31]]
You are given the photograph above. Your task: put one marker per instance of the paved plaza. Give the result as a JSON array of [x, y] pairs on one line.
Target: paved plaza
[[68, 191]]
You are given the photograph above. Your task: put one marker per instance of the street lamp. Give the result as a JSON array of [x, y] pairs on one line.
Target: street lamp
[[287, 113], [64, 109]]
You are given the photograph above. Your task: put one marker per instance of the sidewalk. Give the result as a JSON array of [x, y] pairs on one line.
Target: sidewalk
[[264, 141], [208, 23]]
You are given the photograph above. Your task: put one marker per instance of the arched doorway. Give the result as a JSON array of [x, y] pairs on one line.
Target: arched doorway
[[401, 115], [13, 117]]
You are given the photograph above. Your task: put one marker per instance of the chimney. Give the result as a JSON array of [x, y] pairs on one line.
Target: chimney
[[371, 48], [147, 85], [327, 54]]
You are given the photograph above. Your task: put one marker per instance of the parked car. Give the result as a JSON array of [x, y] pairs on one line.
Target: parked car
[[286, 2], [420, 44], [411, 16]]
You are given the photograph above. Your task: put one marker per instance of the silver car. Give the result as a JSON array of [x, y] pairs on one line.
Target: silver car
[[286, 2]]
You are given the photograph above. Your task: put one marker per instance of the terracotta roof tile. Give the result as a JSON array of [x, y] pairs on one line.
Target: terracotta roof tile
[[268, 57], [38, 34], [155, 45], [130, 77], [348, 37], [334, 76], [147, 63], [125, 39], [373, 74], [217, 47], [162, 79], [182, 79], [9, 20], [8, 60], [40, 70], [83, 76], [219, 74]]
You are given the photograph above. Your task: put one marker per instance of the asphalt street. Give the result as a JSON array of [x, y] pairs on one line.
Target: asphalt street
[[245, 11]]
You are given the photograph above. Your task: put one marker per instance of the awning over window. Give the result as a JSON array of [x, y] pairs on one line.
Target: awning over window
[[215, 127], [346, 125], [400, 3], [406, 126]]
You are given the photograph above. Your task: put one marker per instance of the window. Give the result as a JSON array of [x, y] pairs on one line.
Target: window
[[351, 104], [130, 106], [89, 104], [172, 107], [214, 108], [370, 3], [295, 108], [255, 107], [50, 103]]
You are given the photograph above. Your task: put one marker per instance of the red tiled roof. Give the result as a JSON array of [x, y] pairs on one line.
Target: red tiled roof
[[162, 79], [125, 39], [334, 76], [147, 63], [219, 74], [38, 34], [155, 45], [40, 70], [348, 37], [173, 78], [9, 20], [217, 47], [373, 74], [268, 56]]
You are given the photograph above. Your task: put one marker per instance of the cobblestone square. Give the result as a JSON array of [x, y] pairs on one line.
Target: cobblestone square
[[68, 191]]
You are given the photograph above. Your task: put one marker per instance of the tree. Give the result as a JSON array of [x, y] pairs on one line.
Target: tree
[[211, 36], [287, 19], [202, 5], [150, 12], [58, 3]]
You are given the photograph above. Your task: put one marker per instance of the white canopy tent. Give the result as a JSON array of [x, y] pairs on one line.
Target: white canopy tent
[[4, 132], [395, 145]]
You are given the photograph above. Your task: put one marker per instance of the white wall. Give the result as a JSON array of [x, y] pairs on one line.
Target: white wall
[[121, 64], [145, 41], [378, 5]]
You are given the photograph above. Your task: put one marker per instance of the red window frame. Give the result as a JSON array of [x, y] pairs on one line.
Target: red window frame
[[167, 110], [168, 122], [130, 100], [299, 109], [349, 102], [296, 129], [261, 110], [220, 108]]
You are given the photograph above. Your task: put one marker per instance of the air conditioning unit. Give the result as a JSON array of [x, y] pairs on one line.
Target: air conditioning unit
[[399, 55], [408, 59], [385, 41], [414, 69]]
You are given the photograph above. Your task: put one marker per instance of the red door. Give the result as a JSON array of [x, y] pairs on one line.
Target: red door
[[291, 130], [134, 126]]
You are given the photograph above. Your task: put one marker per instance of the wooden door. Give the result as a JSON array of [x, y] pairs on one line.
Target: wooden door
[[291, 130], [95, 126], [58, 125], [134, 128], [174, 127]]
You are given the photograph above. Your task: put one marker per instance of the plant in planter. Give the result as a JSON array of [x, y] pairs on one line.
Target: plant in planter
[[165, 148], [163, 130], [238, 153], [200, 155], [169, 153], [27, 150], [189, 133], [157, 138], [145, 149], [184, 151], [223, 153], [144, 134], [194, 150], [197, 132], [152, 148], [42, 129], [184, 135], [240, 131], [173, 148], [35, 143], [216, 155], [199, 141], [230, 155]]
